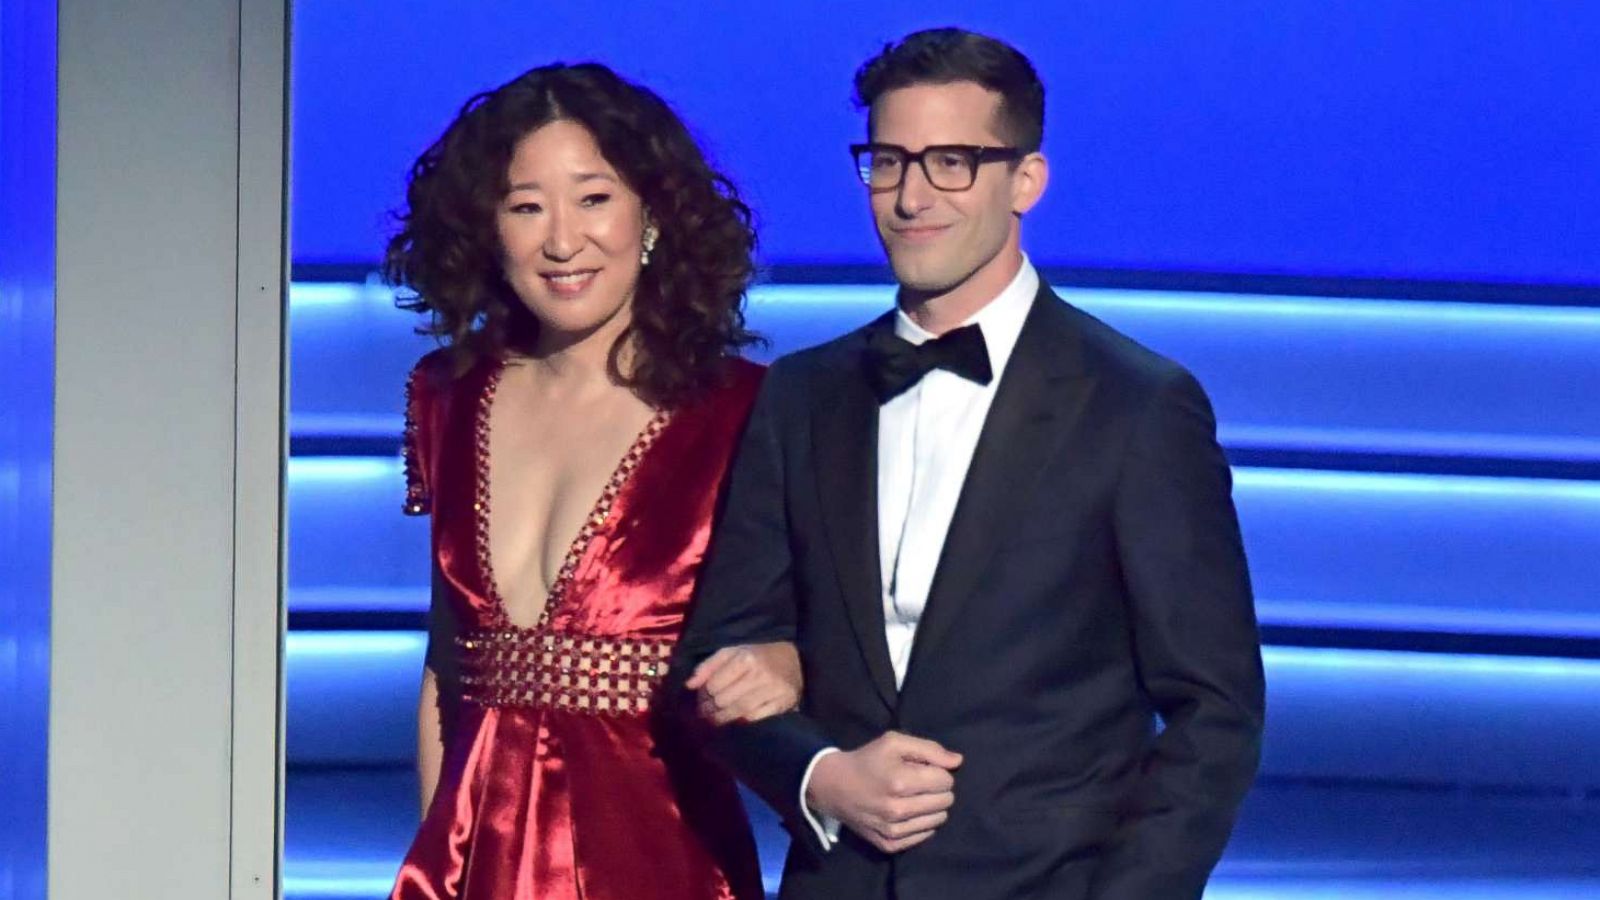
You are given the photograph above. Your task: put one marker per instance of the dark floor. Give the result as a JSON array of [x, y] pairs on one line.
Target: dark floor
[[346, 831]]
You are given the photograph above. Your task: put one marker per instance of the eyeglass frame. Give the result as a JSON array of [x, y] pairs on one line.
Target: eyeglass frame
[[976, 154]]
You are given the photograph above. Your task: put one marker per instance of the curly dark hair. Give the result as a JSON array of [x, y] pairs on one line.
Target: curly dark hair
[[688, 307], [945, 55]]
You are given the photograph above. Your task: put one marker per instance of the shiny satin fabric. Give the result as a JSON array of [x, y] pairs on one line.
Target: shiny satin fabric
[[542, 803]]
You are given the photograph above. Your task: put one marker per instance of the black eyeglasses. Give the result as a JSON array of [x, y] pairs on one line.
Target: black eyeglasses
[[949, 167]]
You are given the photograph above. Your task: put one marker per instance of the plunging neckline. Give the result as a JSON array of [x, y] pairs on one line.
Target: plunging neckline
[[597, 516]]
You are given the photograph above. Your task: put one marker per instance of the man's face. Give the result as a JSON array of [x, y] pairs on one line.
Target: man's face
[[936, 239]]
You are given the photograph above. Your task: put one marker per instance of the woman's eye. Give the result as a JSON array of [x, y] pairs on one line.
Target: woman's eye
[[595, 199], [526, 208]]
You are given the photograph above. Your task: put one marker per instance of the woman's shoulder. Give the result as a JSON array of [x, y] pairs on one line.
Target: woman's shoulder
[[442, 387], [441, 372], [435, 367]]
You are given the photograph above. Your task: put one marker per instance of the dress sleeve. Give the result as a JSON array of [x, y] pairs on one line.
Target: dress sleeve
[[417, 437], [425, 397]]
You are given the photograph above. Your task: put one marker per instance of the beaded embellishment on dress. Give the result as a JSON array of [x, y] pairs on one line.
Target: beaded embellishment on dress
[[579, 673], [510, 665]]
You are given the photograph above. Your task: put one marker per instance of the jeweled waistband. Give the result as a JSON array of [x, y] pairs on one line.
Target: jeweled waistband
[[601, 675]]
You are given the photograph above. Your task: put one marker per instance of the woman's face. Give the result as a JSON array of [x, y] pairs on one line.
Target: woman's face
[[571, 232]]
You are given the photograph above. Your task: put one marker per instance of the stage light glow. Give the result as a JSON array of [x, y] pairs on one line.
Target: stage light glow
[[1203, 329], [315, 295], [343, 468], [1328, 659], [354, 468], [1392, 483], [318, 646], [1340, 309], [367, 887], [332, 495], [1374, 887], [333, 887], [1399, 617], [360, 468], [879, 297], [1196, 304], [1411, 441]]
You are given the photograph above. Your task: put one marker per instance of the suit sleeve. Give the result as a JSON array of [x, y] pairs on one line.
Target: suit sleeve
[[746, 594], [1197, 650]]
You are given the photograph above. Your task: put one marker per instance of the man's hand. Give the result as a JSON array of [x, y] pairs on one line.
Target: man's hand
[[747, 683], [894, 792]]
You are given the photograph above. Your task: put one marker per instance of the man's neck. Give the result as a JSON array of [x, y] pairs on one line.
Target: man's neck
[[937, 313]]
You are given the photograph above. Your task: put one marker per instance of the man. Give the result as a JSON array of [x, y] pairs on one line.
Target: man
[[1002, 537]]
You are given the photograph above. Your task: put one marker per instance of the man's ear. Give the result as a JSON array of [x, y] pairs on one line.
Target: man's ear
[[1029, 181]]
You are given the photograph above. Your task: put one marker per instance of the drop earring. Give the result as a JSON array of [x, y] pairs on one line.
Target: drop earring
[[649, 243]]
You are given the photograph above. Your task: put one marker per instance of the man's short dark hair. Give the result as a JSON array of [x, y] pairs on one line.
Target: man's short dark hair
[[948, 55]]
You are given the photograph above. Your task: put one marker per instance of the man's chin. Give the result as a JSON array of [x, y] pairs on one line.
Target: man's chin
[[917, 275]]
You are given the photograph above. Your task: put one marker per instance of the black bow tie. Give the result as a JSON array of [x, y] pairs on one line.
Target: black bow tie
[[895, 364]]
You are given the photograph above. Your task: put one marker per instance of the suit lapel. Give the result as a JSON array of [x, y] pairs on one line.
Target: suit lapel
[[1041, 396], [845, 450]]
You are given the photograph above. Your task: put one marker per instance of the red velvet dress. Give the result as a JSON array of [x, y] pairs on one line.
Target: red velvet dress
[[562, 778]]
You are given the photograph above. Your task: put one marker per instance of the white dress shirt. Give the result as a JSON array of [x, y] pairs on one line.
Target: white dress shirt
[[926, 438]]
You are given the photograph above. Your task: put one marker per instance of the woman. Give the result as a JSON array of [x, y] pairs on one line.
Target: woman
[[585, 268]]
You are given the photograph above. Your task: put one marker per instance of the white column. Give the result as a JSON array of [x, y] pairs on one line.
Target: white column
[[165, 759]]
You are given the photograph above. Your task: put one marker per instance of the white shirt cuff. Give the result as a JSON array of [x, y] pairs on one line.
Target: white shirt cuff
[[826, 827]]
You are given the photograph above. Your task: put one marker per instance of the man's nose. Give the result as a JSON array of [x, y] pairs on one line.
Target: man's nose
[[916, 192]]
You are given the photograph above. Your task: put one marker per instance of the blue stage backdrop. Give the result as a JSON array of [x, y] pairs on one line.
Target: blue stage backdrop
[[27, 367], [1413, 139], [1418, 481]]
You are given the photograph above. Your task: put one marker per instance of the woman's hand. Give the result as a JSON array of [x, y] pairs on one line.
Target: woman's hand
[[748, 682]]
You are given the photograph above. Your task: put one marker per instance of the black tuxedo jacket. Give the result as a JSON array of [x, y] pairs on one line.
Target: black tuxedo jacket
[[1089, 643]]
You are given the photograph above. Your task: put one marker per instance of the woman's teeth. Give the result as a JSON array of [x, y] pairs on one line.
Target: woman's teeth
[[570, 282]]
